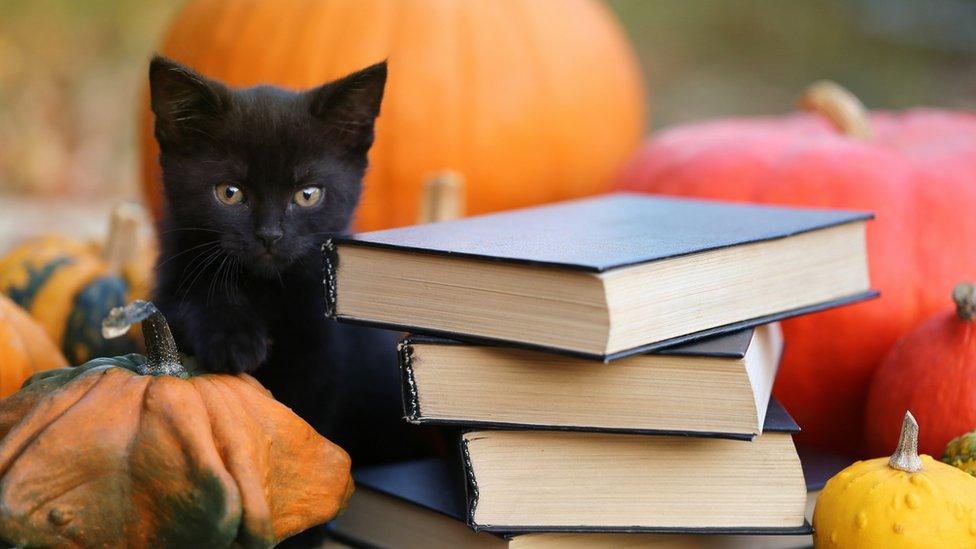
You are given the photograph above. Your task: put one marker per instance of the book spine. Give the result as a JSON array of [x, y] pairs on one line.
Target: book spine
[[470, 485], [408, 384], [331, 263]]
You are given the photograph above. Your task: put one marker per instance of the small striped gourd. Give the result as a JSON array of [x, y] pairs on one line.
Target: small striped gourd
[[961, 453], [69, 286]]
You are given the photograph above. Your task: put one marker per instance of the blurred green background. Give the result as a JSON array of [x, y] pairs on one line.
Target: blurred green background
[[71, 71]]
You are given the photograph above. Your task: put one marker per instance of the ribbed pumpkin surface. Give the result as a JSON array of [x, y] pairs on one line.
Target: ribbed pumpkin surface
[[100, 455]]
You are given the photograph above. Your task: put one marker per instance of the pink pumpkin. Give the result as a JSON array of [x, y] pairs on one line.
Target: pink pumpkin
[[916, 170]]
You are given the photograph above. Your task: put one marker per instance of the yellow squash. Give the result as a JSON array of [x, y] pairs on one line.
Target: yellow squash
[[905, 501]]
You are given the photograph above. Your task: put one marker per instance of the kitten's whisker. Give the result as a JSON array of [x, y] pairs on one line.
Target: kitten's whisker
[[191, 265], [203, 265], [233, 281], [216, 277], [174, 256], [186, 292], [224, 287]]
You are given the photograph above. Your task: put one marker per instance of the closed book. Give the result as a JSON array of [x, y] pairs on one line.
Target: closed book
[[420, 505], [603, 277], [522, 481], [719, 386]]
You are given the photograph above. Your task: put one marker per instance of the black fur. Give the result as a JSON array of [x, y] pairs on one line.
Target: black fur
[[239, 304]]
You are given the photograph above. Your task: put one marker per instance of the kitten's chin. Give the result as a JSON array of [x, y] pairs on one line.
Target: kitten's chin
[[267, 265]]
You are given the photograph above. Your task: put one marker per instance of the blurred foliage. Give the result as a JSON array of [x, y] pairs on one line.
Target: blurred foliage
[[71, 71], [70, 77], [749, 57]]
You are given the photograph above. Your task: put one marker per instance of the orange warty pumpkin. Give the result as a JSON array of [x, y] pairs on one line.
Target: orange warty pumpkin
[[142, 452], [25, 348], [932, 370], [530, 101], [915, 170]]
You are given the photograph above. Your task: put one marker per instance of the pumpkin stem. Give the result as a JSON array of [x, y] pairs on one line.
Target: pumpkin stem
[[906, 457], [123, 235], [162, 356], [964, 294], [442, 198], [838, 105]]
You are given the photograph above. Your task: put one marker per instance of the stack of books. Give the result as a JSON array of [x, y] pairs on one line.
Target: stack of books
[[610, 361]]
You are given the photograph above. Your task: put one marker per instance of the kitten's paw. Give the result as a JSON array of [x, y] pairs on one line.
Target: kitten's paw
[[234, 352]]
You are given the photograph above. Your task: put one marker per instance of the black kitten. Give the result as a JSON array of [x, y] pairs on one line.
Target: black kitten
[[255, 180]]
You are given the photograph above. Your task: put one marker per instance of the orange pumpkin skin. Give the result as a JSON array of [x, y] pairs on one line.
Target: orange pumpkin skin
[[932, 372], [531, 101], [120, 452], [915, 174], [25, 348]]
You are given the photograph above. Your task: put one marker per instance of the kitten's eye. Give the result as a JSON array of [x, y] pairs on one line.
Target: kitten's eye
[[308, 197], [229, 194]]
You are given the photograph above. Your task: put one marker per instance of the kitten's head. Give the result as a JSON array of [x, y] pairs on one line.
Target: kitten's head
[[267, 172]]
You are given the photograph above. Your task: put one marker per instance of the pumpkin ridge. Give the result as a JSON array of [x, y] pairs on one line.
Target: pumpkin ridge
[[6, 461], [214, 471], [288, 512], [256, 525]]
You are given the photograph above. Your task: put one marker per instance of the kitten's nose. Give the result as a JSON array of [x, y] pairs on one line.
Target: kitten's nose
[[269, 235]]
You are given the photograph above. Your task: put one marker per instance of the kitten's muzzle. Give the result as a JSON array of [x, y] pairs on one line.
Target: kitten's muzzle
[[269, 236]]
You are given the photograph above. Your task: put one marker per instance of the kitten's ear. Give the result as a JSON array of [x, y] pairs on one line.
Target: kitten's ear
[[350, 105], [183, 101]]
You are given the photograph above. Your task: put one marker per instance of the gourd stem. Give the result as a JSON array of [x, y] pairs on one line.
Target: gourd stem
[[162, 356], [123, 236], [906, 457], [839, 106], [964, 294]]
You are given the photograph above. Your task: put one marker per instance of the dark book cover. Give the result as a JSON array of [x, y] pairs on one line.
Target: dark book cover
[[607, 232], [600, 234], [730, 345], [733, 345], [658, 346], [777, 420]]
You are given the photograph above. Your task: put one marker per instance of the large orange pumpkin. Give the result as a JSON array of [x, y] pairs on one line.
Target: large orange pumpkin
[[916, 170], [931, 370], [530, 101], [25, 348]]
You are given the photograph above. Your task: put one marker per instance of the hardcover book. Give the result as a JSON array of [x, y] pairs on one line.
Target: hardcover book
[[420, 504], [719, 386], [604, 277], [550, 481]]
